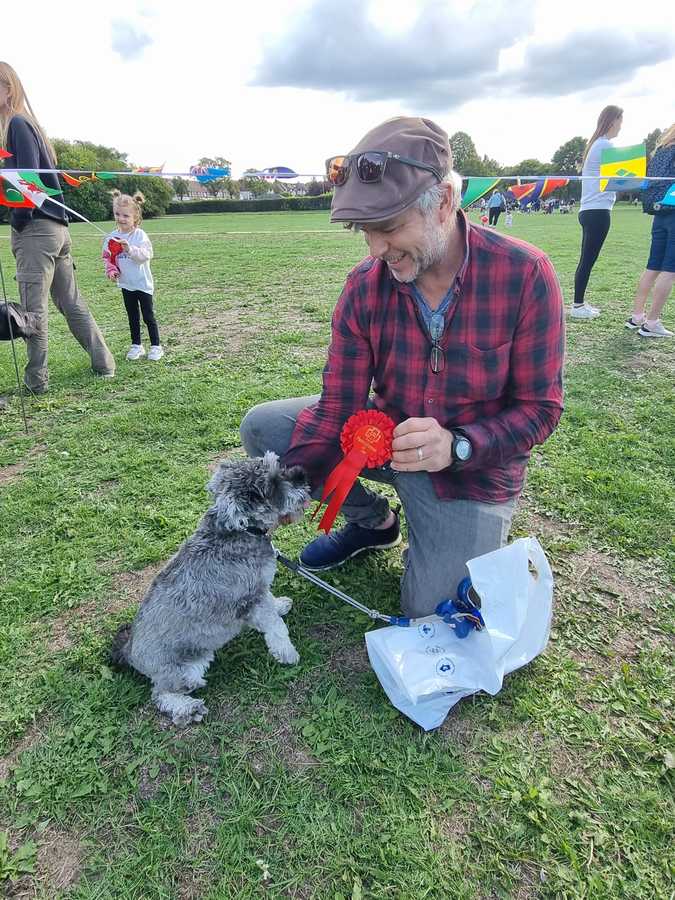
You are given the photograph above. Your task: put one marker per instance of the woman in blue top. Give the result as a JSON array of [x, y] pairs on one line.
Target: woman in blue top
[[495, 205], [659, 276], [596, 206]]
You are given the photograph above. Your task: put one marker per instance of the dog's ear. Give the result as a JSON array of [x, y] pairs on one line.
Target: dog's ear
[[229, 515], [271, 461], [215, 484]]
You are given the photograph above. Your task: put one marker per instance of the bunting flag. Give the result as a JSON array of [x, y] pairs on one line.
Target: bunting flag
[[552, 184], [477, 188], [147, 170], [536, 190], [204, 174], [32, 178], [623, 168], [13, 198], [26, 188], [4, 154], [522, 192], [271, 173]]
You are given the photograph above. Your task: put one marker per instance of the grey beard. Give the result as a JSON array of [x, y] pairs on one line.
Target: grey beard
[[437, 247]]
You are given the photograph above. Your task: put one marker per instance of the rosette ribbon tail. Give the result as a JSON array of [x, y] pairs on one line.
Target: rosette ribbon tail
[[338, 484]]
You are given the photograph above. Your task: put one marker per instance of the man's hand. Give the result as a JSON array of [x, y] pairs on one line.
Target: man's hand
[[421, 445]]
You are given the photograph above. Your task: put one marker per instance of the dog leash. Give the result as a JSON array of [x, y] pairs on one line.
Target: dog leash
[[462, 613]]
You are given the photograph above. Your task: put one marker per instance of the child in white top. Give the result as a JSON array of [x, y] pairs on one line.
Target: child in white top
[[127, 252]]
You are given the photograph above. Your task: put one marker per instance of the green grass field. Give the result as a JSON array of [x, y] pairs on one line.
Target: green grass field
[[303, 782]]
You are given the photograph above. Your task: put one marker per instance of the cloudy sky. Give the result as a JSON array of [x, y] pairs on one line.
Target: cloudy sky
[[291, 82]]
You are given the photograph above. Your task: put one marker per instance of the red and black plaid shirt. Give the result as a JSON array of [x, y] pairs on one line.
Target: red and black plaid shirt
[[504, 343]]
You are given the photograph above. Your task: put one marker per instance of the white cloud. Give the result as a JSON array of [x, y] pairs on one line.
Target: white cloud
[[128, 40], [187, 94]]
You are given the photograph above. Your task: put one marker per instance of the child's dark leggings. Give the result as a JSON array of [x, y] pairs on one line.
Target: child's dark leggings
[[595, 225], [132, 301], [494, 212]]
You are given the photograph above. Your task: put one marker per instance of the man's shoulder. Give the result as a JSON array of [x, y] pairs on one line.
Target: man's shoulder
[[368, 271], [503, 248]]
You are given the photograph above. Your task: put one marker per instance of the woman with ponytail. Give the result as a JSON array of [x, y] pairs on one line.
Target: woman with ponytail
[[41, 243], [595, 210]]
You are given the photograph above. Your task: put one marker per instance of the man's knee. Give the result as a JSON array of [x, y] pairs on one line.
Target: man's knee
[[259, 430]]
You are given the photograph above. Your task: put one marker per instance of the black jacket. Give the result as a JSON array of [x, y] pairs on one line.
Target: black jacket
[[29, 152]]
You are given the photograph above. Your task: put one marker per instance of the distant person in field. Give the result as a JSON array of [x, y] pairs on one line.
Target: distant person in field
[[127, 252], [596, 207], [41, 244], [454, 331], [496, 204], [659, 276]]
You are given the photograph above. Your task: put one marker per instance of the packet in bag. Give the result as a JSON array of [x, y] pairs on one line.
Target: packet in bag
[[426, 669]]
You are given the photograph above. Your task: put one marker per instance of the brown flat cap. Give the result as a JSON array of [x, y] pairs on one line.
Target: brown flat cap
[[415, 138]]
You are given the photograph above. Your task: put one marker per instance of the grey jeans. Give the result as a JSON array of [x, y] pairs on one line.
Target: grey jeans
[[442, 534], [43, 266]]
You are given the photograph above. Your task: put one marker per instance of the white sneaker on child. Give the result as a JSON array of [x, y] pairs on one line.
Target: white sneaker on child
[[584, 312], [136, 351], [655, 329], [156, 352]]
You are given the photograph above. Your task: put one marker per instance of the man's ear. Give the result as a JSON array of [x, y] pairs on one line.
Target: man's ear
[[448, 204]]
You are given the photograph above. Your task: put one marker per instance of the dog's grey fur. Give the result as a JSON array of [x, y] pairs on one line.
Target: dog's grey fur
[[218, 582]]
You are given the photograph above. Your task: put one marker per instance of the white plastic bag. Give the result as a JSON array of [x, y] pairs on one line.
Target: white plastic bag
[[426, 669]]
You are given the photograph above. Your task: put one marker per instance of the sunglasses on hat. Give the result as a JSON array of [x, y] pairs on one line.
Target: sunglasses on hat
[[370, 166]]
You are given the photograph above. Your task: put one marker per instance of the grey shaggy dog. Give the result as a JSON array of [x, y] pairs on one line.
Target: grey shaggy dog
[[218, 583]]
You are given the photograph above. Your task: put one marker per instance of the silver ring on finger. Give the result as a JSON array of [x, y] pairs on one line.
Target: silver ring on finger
[[420, 454]]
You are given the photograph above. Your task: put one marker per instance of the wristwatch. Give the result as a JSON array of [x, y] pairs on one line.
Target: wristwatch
[[461, 448]]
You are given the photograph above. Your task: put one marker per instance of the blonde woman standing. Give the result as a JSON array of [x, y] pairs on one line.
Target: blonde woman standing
[[595, 210], [41, 243]]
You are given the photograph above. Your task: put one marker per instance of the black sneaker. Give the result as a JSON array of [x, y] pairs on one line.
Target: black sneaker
[[632, 324], [333, 549]]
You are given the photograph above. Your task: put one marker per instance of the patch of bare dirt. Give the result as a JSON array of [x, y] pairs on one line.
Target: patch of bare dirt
[[9, 474], [29, 740], [59, 862], [128, 588], [232, 328]]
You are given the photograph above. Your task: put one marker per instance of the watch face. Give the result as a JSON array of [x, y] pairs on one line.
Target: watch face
[[462, 449]]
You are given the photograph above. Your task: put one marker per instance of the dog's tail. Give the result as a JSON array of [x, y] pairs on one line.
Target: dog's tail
[[120, 646]]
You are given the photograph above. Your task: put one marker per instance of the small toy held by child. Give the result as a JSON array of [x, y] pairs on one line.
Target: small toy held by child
[[127, 252]]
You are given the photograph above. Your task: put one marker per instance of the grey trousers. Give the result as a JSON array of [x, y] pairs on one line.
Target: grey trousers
[[442, 534], [43, 266]]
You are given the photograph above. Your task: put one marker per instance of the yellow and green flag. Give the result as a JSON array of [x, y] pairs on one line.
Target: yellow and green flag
[[477, 188], [623, 168]]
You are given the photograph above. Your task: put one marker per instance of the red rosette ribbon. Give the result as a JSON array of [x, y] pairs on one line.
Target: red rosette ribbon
[[366, 440], [114, 249]]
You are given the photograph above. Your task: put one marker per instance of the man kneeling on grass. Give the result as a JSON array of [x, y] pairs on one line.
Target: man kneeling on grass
[[458, 332]]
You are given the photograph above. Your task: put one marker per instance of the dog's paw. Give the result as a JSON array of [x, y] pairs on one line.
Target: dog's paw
[[286, 655], [194, 711], [283, 605]]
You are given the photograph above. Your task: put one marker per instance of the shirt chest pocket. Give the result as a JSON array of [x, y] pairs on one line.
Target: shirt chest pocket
[[477, 374]]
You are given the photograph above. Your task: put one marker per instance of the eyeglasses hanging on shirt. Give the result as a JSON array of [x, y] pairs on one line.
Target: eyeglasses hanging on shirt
[[437, 354]]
